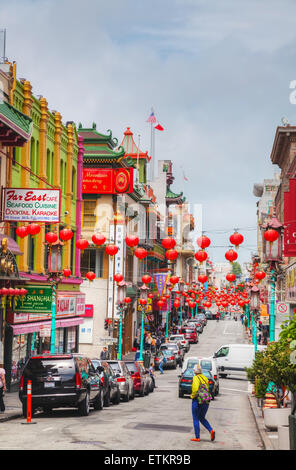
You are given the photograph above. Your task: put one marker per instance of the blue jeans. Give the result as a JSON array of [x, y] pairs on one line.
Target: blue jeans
[[198, 414], [160, 367]]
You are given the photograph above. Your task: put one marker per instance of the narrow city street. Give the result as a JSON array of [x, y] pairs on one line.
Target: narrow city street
[[159, 421]]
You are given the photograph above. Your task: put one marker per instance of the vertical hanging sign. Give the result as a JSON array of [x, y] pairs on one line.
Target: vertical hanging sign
[[160, 280]]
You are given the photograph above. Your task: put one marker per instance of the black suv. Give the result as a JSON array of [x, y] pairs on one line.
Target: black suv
[[109, 380], [61, 381]]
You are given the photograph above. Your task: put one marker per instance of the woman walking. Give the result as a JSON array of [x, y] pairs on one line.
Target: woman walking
[[200, 403], [2, 389]]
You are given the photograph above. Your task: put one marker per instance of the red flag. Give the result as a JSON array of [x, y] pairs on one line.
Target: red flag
[[159, 127]]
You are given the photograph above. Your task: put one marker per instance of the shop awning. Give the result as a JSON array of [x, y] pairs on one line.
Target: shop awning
[[15, 127], [12, 245], [34, 327]]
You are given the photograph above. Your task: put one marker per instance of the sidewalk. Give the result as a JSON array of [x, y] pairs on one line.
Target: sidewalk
[[269, 438], [13, 407]]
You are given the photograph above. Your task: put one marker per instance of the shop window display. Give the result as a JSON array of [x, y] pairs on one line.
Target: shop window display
[[20, 353]]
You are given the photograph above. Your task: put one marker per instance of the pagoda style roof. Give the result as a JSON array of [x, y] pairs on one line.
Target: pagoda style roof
[[15, 127], [173, 198], [130, 147], [100, 148]]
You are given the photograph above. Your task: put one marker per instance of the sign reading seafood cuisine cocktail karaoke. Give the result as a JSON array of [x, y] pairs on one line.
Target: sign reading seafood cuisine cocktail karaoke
[[31, 205]]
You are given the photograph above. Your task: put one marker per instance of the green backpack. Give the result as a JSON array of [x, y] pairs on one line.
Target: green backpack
[[203, 395]]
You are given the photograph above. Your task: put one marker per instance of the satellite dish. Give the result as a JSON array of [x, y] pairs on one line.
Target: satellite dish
[[285, 121]]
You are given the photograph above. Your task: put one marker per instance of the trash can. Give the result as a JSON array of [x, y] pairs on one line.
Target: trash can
[[147, 359]]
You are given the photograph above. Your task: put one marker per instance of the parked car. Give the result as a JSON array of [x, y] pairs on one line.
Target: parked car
[[171, 361], [185, 382], [180, 339], [206, 363], [142, 384], [190, 334], [209, 315], [202, 317], [123, 377], [110, 384], [176, 350], [195, 324], [61, 380]]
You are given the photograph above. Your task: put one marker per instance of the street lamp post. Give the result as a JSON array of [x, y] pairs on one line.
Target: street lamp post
[[181, 289], [54, 271], [272, 237], [143, 301], [255, 307], [121, 294]]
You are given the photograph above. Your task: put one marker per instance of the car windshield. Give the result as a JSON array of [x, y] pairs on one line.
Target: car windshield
[[191, 363], [189, 372], [166, 352], [115, 367], [131, 366], [206, 364], [52, 366], [176, 338], [189, 330]]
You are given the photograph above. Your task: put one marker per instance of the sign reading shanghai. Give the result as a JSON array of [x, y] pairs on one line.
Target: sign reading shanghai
[[31, 205]]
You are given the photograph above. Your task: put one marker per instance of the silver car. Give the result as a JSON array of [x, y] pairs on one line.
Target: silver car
[[124, 379], [180, 339], [176, 350]]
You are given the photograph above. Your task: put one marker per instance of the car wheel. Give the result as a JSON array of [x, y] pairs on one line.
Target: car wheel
[[133, 394], [223, 376], [126, 397], [146, 391], [107, 399], [141, 394], [116, 401], [47, 410], [99, 401], [83, 407], [181, 394]]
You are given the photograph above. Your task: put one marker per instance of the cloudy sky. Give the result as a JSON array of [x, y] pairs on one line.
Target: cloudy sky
[[217, 74]]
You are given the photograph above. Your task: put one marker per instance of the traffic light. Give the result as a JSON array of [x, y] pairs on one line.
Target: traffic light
[[115, 324], [106, 324]]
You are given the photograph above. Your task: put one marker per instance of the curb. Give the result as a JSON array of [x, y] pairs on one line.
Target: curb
[[10, 417], [260, 425]]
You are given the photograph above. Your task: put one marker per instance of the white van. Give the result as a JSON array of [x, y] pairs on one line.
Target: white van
[[232, 359]]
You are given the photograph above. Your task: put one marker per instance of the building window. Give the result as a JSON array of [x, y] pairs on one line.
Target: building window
[[88, 261], [100, 263], [31, 250], [89, 218]]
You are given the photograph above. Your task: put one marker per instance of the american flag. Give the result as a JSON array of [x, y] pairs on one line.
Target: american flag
[[151, 118]]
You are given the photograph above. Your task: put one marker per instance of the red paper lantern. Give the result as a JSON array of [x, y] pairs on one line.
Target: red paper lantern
[[236, 239], [146, 279], [11, 291], [171, 255], [22, 231], [202, 278], [208, 304], [150, 296], [82, 244], [67, 272], [231, 255], [127, 300], [168, 243], [33, 229], [118, 277], [260, 275], [4, 291], [141, 253], [201, 256], [90, 275], [230, 277], [23, 292], [132, 241], [177, 303], [143, 301], [174, 279], [98, 239], [191, 304], [66, 234], [203, 241], [160, 303], [51, 237], [271, 235], [111, 250]]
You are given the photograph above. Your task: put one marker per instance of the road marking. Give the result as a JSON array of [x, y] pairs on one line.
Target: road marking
[[234, 390], [47, 429]]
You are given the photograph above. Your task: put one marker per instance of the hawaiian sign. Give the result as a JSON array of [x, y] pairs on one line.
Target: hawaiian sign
[[31, 205], [107, 180]]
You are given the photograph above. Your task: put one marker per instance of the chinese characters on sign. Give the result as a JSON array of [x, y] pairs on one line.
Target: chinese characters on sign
[[107, 180]]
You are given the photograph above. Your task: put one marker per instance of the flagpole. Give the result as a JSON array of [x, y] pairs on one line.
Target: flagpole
[[138, 174]]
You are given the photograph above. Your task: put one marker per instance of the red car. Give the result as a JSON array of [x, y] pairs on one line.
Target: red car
[[190, 334], [139, 377]]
